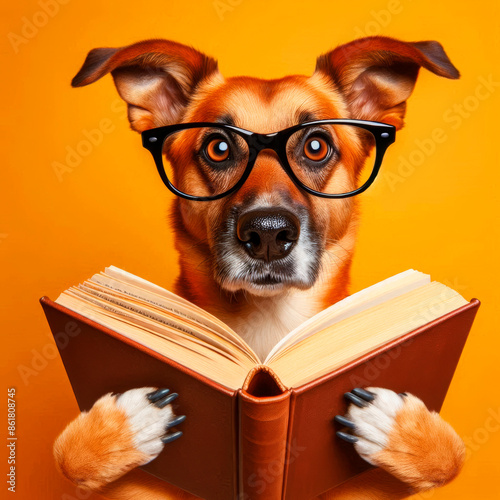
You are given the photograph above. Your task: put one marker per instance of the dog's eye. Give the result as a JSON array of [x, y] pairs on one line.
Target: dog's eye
[[316, 148], [217, 150]]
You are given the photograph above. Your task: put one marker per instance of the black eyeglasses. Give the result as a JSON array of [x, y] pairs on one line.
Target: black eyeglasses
[[327, 158]]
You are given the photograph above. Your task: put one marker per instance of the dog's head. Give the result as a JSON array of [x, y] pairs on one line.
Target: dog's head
[[270, 234]]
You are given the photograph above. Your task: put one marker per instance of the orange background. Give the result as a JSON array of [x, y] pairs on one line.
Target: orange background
[[439, 214]]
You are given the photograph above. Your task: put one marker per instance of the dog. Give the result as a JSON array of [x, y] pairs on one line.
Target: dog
[[269, 254]]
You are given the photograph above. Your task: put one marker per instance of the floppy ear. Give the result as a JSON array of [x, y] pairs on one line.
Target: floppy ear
[[156, 78], [378, 74]]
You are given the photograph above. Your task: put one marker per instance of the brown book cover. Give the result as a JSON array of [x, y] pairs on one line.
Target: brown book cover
[[262, 441]]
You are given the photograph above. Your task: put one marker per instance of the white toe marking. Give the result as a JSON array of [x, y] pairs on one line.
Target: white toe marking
[[375, 421], [388, 401], [148, 422]]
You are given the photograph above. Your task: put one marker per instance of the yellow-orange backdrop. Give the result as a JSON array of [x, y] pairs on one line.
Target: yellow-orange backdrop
[[434, 207]]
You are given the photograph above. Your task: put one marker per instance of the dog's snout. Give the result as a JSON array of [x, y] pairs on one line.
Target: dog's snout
[[268, 234]]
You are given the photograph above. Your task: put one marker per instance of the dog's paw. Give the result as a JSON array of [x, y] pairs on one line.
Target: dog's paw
[[150, 416], [398, 433], [119, 433]]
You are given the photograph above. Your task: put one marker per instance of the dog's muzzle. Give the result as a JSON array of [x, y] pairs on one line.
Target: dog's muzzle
[[268, 234], [266, 250]]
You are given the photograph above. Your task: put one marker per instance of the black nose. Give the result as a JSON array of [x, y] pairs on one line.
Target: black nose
[[268, 234]]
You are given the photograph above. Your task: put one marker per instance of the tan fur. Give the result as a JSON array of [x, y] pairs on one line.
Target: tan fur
[[97, 447], [165, 82], [423, 451]]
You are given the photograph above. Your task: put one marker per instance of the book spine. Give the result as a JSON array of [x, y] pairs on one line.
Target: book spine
[[263, 433]]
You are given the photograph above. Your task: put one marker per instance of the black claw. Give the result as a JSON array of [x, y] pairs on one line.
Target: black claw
[[156, 395], [164, 402], [347, 437], [176, 421], [354, 399], [367, 396], [402, 394], [344, 421], [171, 437]]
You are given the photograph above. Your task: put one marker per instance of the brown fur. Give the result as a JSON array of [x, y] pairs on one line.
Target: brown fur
[[165, 82]]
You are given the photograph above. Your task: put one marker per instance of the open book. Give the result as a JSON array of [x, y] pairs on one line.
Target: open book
[[127, 325]]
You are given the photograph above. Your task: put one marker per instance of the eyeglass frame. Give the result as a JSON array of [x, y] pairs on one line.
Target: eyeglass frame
[[154, 139]]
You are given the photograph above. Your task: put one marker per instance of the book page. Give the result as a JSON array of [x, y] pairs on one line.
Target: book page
[[142, 315], [353, 337], [175, 316], [353, 304], [164, 322], [136, 287], [182, 331], [189, 352], [141, 283]]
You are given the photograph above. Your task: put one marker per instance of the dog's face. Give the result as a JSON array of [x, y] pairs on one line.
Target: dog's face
[[269, 235]]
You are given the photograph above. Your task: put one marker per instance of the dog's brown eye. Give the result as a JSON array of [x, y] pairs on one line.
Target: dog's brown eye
[[217, 150], [316, 148]]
